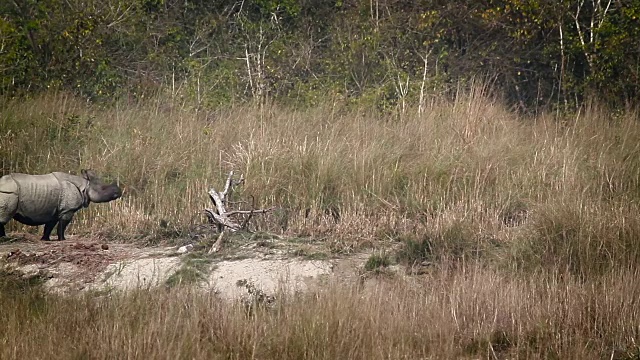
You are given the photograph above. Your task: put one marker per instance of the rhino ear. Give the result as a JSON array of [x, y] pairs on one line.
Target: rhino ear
[[88, 174]]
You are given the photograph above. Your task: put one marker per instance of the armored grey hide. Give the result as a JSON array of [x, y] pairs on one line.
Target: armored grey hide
[[50, 199]]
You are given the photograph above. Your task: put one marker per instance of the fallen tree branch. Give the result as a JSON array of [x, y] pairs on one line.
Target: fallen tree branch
[[222, 220], [219, 215]]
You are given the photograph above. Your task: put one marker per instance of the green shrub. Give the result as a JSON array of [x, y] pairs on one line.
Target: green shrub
[[377, 261]]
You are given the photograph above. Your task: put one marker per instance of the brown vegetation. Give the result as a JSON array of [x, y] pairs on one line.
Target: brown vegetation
[[529, 225], [471, 313]]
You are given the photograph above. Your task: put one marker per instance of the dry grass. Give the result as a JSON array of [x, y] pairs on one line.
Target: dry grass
[[545, 208], [473, 313], [460, 174]]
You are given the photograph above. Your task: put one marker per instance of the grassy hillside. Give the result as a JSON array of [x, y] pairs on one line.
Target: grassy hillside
[[532, 221]]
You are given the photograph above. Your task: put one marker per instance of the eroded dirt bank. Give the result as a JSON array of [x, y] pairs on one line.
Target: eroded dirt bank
[[82, 264]]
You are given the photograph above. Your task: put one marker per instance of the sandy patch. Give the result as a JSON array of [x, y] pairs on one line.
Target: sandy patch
[[83, 264], [137, 273], [266, 275]]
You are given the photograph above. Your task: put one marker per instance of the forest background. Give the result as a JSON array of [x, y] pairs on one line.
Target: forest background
[[382, 53]]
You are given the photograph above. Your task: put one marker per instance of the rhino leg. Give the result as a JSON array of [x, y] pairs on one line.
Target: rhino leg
[[64, 220], [62, 225], [48, 227]]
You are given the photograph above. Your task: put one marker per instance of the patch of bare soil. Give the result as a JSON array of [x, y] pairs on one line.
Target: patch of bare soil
[[68, 265], [231, 279], [246, 266]]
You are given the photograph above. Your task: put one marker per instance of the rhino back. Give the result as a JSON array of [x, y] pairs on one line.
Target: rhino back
[[78, 181], [38, 197]]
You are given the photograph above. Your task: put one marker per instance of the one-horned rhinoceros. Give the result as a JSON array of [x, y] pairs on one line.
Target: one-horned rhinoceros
[[50, 199]]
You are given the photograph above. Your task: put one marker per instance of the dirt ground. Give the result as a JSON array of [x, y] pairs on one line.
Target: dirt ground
[[82, 264], [68, 265]]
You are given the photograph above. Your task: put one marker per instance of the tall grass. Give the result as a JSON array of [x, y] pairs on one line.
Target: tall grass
[[471, 177], [530, 223], [467, 314]]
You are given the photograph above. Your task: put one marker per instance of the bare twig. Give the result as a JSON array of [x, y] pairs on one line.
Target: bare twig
[[246, 220], [246, 212], [227, 185], [421, 103]]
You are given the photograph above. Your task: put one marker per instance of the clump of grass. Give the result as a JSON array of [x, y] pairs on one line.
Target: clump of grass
[[310, 253], [316, 255], [14, 282], [184, 276], [584, 237], [195, 267], [514, 213], [415, 250], [377, 262]]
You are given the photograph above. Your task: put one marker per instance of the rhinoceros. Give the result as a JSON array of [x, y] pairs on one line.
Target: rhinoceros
[[50, 199]]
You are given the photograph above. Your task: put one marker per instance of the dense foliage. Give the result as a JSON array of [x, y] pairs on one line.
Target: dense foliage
[[383, 52]]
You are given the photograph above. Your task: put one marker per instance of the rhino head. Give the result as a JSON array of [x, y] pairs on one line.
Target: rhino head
[[97, 191]]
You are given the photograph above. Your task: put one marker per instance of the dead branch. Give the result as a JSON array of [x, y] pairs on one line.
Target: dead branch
[[227, 185], [217, 245], [248, 212], [222, 218], [246, 220]]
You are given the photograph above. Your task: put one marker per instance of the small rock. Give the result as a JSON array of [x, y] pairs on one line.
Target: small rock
[[184, 249], [105, 247]]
